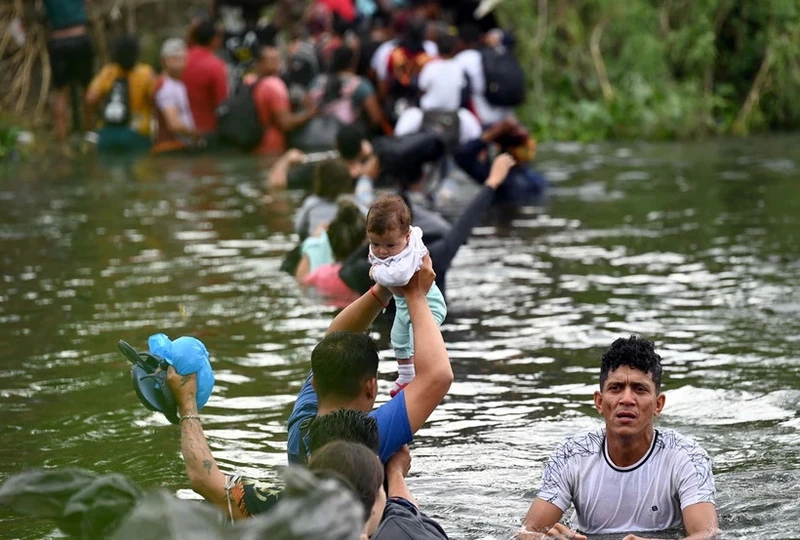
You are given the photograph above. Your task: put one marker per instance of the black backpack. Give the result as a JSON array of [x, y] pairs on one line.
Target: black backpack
[[238, 122], [505, 80], [117, 109]]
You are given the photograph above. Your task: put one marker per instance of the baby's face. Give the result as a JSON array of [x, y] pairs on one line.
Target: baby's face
[[388, 244]]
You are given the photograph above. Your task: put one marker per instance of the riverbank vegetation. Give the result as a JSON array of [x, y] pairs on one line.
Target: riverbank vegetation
[[597, 69], [657, 69]]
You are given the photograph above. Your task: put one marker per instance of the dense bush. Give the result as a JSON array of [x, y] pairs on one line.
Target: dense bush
[[657, 68]]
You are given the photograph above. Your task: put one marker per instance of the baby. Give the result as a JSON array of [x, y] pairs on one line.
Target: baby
[[395, 253]]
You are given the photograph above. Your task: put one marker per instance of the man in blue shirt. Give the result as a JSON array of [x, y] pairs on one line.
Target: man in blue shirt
[[344, 371]]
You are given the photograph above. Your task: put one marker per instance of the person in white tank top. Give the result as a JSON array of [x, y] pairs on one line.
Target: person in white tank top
[[627, 477]]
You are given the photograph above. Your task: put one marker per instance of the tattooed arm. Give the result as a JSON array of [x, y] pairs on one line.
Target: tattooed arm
[[204, 476]]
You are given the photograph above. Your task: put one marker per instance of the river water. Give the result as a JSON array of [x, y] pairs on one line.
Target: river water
[[693, 245]]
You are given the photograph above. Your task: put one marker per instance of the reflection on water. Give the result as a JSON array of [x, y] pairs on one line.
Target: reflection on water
[[694, 245]]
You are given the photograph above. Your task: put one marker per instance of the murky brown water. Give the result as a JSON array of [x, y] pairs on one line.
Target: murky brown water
[[694, 245]]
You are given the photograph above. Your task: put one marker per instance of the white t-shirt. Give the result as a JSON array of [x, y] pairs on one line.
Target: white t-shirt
[[380, 58], [647, 496], [471, 63], [410, 121], [441, 82], [173, 94]]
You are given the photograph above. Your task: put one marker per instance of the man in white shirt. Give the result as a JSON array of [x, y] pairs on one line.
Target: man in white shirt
[[471, 63], [442, 80], [628, 477]]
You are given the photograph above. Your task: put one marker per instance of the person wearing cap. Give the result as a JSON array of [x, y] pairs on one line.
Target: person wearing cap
[[176, 128], [475, 158]]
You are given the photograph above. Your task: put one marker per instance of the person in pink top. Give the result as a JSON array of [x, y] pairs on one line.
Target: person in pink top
[[205, 77], [323, 254]]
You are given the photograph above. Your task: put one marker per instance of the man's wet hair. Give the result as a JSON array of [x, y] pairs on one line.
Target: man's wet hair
[[354, 465], [205, 33], [126, 52], [342, 362], [348, 142], [636, 353], [346, 425]]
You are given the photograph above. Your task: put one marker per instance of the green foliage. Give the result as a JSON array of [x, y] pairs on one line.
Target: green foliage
[[8, 140], [659, 69]]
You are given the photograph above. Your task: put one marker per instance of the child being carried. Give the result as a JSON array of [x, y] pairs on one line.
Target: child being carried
[[395, 253]]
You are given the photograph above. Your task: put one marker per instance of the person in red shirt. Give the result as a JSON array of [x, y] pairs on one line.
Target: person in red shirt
[[272, 101], [343, 8], [205, 77]]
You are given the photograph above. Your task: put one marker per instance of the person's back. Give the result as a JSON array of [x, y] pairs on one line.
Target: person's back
[[471, 61], [125, 89], [442, 80], [205, 77]]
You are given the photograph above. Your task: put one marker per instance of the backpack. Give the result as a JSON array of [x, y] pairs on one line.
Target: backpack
[[445, 123], [341, 106], [117, 109], [238, 122], [505, 80]]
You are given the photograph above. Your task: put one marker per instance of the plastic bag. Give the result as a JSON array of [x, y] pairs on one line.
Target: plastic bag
[[80, 502], [187, 355]]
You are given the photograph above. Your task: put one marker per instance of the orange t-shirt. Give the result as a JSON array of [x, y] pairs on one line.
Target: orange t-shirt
[[271, 96]]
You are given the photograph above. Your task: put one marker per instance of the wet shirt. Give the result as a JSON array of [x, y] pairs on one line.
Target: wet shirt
[[65, 13], [206, 80], [141, 86], [271, 96], [647, 496], [171, 93], [253, 497], [394, 429], [403, 521]]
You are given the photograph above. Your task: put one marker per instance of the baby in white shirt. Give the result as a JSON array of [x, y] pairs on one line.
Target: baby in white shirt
[[395, 253]]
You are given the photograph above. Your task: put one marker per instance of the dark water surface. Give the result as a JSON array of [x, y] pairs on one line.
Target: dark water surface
[[695, 245]]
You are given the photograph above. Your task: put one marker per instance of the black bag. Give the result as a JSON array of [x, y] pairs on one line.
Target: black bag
[[505, 80], [444, 123], [238, 122], [319, 134], [117, 109]]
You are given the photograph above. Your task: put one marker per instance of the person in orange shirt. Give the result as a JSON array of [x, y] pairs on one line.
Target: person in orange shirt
[[272, 102], [123, 90]]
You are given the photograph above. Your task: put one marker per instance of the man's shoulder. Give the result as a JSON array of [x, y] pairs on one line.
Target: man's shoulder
[[674, 442], [582, 445]]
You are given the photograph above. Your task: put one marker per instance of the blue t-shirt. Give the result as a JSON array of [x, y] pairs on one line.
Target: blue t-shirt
[[394, 429]]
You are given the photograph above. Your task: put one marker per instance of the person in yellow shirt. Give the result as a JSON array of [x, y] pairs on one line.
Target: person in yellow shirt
[[123, 92]]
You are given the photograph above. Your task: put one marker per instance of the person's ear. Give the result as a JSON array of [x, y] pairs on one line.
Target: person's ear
[[598, 401], [371, 389], [660, 400]]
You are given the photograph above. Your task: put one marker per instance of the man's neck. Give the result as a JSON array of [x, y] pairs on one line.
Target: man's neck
[[626, 451], [327, 408]]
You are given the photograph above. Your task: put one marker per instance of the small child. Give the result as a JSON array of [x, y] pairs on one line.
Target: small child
[[395, 252]]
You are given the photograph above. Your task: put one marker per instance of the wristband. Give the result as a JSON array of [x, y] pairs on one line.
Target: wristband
[[378, 298]]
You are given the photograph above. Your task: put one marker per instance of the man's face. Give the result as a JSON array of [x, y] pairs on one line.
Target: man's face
[[270, 61], [629, 402], [174, 65]]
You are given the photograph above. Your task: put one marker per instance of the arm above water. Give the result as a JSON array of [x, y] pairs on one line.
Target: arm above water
[[542, 522], [359, 316], [205, 477], [434, 373]]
